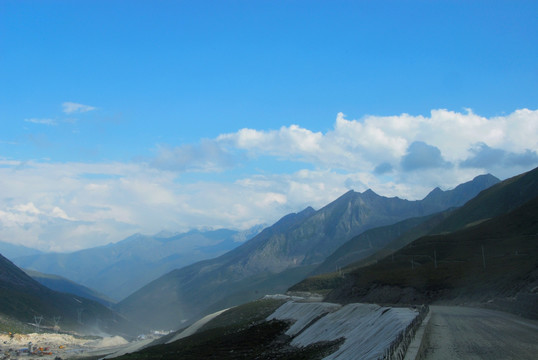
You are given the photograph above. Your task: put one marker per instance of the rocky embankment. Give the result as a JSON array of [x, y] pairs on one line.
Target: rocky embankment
[[368, 331]]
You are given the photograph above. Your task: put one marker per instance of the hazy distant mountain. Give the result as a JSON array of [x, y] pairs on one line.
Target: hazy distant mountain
[[12, 251], [119, 269], [280, 255], [23, 298], [63, 285]]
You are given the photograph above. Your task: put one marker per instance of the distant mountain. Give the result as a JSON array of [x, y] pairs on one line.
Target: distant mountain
[[379, 242], [280, 255], [183, 294], [119, 269], [486, 252], [12, 251], [461, 193], [23, 298], [498, 200], [63, 285]]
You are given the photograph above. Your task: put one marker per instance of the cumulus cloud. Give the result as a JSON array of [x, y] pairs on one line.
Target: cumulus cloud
[[526, 159], [71, 107], [483, 156], [68, 206], [423, 156], [381, 144], [50, 122], [59, 207], [383, 168], [440, 148]]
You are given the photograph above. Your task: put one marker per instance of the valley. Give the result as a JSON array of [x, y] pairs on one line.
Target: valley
[[475, 245], [268, 180]]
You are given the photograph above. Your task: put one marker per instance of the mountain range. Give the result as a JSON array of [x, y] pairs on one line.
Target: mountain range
[[119, 269], [356, 228], [12, 251], [485, 252], [280, 255]]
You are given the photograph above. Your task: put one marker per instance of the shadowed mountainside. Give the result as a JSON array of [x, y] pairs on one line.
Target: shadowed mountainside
[[494, 261], [23, 298], [372, 244]]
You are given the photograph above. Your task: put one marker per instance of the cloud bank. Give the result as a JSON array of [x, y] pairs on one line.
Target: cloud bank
[[253, 176], [405, 142]]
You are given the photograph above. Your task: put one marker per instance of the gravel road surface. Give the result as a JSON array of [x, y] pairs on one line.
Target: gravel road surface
[[471, 333]]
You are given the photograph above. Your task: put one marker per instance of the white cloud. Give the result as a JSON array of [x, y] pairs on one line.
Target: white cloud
[[363, 145], [27, 208], [50, 122], [68, 206], [71, 107], [373, 142], [207, 156]]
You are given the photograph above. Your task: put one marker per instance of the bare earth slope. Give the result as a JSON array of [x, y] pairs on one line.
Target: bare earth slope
[[472, 333]]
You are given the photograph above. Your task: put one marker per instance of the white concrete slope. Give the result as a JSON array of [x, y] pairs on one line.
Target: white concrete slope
[[368, 329]]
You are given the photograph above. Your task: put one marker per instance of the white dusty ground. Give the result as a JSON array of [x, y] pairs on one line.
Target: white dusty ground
[[50, 346], [368, 329]]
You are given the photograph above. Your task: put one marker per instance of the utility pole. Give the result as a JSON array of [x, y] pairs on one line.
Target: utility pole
[[79, 313], [37, 321], [56, 320], [483, 257]]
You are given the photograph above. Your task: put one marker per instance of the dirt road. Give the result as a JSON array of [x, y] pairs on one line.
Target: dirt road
[[472, 333]]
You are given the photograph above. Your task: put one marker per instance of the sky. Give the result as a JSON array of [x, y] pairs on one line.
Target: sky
[[119, 117]]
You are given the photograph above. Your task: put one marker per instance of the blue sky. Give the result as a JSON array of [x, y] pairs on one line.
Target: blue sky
[[140, 116]]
